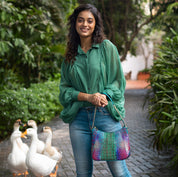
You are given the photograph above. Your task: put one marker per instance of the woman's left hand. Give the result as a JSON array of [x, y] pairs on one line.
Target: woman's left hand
[[98, 99]]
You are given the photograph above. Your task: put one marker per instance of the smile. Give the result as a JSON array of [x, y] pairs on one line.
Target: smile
[[84, 30]]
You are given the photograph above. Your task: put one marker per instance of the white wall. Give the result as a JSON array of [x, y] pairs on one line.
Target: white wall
[[137, 63]]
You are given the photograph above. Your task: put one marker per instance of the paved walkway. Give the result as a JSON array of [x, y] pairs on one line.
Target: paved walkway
[[143, 162], [137, 84]]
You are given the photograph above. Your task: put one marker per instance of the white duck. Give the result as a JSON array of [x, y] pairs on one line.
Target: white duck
[[17, 125], [24, 147], [40, 144], [39, 164], [51, 151], [16, 159]]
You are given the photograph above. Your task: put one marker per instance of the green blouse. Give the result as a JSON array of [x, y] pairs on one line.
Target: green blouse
[[98, 70]]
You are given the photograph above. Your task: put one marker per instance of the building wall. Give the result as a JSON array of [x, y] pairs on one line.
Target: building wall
[[137, 63]]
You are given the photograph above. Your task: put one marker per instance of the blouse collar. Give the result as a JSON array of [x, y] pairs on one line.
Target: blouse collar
[[80, 51]]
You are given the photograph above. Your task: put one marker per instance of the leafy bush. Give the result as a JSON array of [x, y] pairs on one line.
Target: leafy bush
[[29, 49], [39, 102], [163, 108]]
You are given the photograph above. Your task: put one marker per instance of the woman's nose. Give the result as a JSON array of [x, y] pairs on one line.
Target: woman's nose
[[85, 23]]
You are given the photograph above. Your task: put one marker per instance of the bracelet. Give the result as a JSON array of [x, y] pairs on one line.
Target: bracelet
[[108, 96]]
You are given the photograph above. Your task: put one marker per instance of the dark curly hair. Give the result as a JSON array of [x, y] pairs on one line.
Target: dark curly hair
[[73, 37]]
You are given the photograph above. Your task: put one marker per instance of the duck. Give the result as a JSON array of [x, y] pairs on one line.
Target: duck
[[23, 146], [17, 125], [51, 151], [17, 157], [40, 144], [40, 164]]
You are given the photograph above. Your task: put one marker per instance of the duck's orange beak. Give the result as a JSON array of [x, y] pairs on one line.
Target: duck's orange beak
[[25, 125], [23, 134]]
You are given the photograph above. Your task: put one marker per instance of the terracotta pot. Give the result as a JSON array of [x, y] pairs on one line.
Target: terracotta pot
[[143, 76]]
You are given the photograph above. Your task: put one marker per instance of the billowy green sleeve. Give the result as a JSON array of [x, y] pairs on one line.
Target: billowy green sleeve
[[114, 78], [68, 94]]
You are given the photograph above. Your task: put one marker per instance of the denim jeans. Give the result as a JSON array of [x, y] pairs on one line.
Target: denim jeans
[[80, 135]]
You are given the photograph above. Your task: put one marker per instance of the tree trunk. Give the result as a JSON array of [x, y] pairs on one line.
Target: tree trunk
[[106, 19], [39, 72]]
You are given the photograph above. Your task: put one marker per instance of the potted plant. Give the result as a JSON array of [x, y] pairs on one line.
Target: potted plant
[[143, 74]]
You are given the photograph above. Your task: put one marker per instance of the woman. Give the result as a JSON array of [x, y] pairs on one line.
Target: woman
[[91, 67]]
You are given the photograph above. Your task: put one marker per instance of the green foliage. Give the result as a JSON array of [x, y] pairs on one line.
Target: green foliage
[[120, 18], [25, 37], [163, 108], [146, 70], [32, 40], [167, 19], [124, 20], [39, 102], [32, 45]]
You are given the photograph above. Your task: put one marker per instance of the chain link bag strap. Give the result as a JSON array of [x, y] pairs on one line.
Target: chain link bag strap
[[110, 145]]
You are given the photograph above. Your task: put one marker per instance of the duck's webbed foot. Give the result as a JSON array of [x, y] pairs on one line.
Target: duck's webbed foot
[[55, 173]]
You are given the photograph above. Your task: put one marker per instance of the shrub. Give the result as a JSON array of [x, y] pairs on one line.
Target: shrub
[[39, 102], [163, 108], [30, 44]]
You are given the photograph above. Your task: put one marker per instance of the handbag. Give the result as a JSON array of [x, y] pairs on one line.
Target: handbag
[[110, 145]]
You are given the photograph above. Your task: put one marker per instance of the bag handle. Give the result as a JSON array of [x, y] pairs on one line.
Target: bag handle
[[114, 108]]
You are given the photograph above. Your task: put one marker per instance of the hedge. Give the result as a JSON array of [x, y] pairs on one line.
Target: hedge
[[39, 102]]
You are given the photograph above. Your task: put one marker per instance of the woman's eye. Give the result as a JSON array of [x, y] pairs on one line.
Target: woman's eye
[[80, 20], [90, 21]]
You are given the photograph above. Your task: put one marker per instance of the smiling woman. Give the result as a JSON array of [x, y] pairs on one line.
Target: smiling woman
[[85, 26], [73, 37], [91, 68]]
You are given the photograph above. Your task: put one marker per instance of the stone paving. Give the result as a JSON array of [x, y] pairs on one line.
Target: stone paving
[[143, 162]]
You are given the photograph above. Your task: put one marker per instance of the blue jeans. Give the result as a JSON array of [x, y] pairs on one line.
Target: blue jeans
[[80, 135]]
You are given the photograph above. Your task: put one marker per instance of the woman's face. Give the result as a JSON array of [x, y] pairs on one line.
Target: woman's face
[[85, 24]]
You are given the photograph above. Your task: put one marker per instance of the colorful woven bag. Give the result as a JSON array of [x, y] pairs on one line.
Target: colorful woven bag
[[110, 145]]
